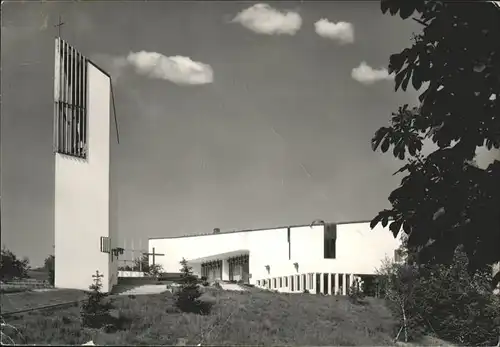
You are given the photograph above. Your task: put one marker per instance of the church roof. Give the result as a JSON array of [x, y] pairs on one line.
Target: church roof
[[258, 229]]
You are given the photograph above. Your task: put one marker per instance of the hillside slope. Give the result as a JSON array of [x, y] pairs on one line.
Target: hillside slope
[[237, 318]]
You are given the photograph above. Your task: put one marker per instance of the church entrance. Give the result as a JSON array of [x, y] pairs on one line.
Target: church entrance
[[239, 268], [212, 270]]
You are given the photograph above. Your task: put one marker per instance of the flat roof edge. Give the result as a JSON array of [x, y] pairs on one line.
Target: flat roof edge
[[258, 229]]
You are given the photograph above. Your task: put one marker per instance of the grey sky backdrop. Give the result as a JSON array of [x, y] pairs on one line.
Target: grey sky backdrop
[[266, 125]]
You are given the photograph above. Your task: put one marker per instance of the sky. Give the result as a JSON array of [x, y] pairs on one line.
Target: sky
[[232, 115]]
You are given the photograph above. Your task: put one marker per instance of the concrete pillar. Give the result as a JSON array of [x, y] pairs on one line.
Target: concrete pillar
[[313, 282], [329, 284], [322, 283], [344, 284], [225, 270], [336, 289]]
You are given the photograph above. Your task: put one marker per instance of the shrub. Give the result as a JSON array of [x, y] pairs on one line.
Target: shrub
[[95, 312], [204, 281], [355, 292], [445, 300], [11, 267], [187, 299], [155, 270], [369, 285], [49, 266]]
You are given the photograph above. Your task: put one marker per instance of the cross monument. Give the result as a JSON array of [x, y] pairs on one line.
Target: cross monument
[[154, 254]]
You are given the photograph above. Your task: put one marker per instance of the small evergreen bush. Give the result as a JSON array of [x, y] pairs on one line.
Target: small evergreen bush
[[95, 312], [187, 299]]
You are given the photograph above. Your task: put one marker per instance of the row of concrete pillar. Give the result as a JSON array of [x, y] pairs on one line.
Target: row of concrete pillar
[[315, 283]]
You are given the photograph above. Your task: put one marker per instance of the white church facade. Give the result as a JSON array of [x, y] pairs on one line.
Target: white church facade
[[323, 258], [83, 225]]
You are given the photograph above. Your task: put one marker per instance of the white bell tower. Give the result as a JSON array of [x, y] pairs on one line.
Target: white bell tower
[[82, 223]]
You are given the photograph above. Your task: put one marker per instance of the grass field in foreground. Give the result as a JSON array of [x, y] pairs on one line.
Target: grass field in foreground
[[237, 318], [30, 299]]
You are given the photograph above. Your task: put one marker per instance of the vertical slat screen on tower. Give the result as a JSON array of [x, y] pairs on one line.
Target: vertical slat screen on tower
[[70, 98]]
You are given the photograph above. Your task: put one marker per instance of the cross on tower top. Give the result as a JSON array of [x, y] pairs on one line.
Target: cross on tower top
[[59, 25]]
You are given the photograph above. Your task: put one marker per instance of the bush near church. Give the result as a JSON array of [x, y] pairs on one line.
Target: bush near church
[[443, 300], [142, 264], [189, 298], [11, 267], [49, 266], [95, 311]]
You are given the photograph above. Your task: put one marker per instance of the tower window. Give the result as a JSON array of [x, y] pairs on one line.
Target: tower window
[[70, 111]]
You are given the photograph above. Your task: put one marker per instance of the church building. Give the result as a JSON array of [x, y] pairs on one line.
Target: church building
[[322, 258]]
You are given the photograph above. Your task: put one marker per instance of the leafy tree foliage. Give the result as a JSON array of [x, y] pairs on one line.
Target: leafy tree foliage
[[11, 267], [445, 200], [443, 300]]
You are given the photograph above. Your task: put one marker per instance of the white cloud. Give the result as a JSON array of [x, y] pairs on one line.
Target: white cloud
[[343, 32], [263, 19], [177, 69], [365, 74]]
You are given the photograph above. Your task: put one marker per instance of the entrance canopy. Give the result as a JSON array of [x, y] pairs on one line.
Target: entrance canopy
[[219, 256]]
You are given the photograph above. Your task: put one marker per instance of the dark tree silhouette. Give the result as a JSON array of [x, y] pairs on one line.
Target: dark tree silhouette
[[445, 200], [49, 266], [11, 267]]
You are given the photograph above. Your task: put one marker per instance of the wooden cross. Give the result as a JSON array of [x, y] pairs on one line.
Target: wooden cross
[[154, 254], [97, 274], [97, 277], [59, 25]]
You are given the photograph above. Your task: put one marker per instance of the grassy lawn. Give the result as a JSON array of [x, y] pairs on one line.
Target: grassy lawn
[[256, 318], [29, 299]]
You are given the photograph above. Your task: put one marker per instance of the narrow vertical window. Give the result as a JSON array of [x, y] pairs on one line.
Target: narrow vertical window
[[289, 244], [330, 241]]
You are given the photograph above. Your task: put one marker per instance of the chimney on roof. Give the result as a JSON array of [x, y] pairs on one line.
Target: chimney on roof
[[216, 231]]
